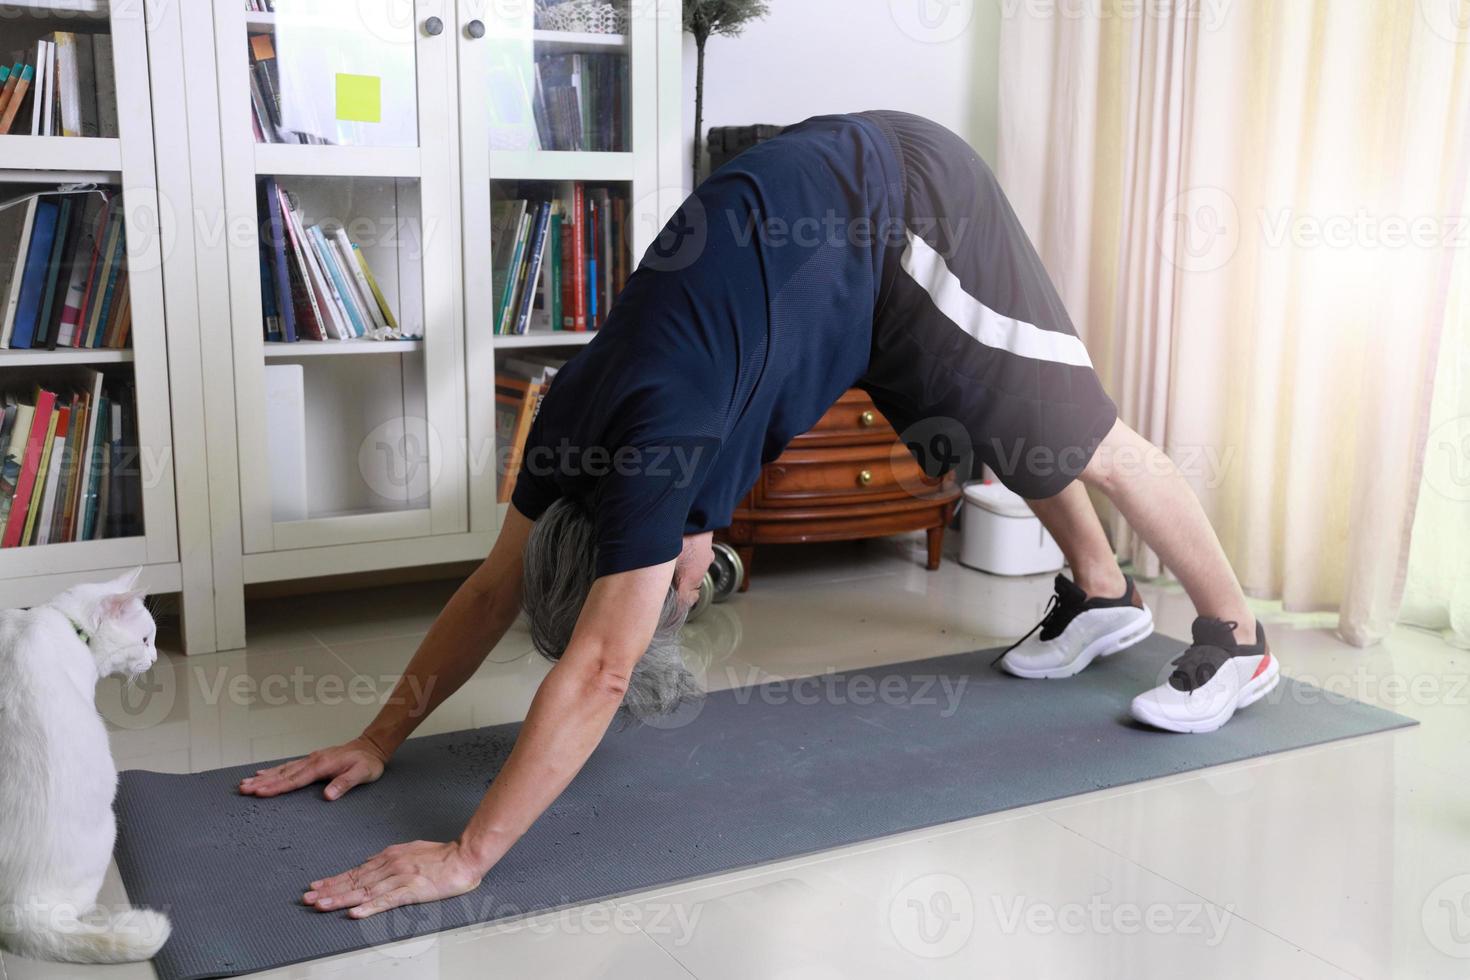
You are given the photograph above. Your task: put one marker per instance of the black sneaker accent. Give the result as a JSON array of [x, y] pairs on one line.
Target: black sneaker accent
[[1214, 644], [1067, 603]]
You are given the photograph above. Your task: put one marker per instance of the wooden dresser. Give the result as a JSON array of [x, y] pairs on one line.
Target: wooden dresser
[[845, 479]]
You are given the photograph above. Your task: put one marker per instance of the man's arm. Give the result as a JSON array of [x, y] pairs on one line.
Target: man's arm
[[474, 620], [568, 717]]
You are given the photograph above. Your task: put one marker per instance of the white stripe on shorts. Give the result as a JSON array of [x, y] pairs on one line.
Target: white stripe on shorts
[[928, 268]]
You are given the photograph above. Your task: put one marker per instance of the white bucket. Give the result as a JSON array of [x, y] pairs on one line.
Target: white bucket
[[1001, 536]]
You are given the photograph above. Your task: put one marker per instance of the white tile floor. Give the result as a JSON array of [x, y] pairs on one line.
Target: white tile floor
[[1347, 860]]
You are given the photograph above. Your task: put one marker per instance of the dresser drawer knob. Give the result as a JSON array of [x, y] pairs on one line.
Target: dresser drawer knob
[[868, 419], [865, 478]]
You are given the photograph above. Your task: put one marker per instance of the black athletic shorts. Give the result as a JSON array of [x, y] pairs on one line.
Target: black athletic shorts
[[974, 359]]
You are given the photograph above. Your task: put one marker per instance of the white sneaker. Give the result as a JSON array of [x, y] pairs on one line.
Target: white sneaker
[[1077, 630], [1211, 680]]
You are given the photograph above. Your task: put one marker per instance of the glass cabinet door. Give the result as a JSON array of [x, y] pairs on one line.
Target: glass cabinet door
[[349, 390], [559, 127]]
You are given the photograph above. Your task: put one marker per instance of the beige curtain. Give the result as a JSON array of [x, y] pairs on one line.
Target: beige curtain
[[1250, 209], [1437, 595]]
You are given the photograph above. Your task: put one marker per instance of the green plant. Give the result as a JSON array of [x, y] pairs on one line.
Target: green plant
[[704, 19]]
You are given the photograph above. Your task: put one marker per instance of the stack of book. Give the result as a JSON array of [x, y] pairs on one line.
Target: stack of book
[[261, 6], [520, 384], [70, 469], [557, 264], [265, 96], [64, 87], [580, 102], [315, 282], [63, 274]]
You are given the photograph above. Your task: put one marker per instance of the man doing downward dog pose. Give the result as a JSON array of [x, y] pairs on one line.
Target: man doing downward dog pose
[[873, 249]]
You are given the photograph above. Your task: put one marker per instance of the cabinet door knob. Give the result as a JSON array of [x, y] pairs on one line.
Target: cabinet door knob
[[433, 27], [475, 29], [865, 478], [868, 419]]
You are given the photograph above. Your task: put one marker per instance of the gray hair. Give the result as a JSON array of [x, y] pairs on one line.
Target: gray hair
[[559, 569]]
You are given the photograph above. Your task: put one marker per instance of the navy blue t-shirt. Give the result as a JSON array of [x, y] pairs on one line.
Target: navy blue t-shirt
[[748, 317]]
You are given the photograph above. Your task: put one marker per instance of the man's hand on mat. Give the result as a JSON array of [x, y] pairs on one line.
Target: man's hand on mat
[[358, 761], [404, 874]]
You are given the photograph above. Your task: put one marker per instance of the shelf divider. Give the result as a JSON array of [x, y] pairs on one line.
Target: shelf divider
[[296, 160], [569, 41], [88, 8], [340, 348], [560, 165], [49, 358], [86, 156], [546, 338]]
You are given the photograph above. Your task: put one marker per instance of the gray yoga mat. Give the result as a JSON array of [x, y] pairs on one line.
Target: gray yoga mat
[[751, 776]]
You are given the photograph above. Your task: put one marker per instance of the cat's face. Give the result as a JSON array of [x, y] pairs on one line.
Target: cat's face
[[123, 643], [120, 629]]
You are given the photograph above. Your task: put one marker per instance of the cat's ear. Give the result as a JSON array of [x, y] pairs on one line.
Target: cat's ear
[[120, 594], [117, 603], [125, 581]]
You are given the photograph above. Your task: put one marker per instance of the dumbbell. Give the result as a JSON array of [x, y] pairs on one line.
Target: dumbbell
[[725, 575]]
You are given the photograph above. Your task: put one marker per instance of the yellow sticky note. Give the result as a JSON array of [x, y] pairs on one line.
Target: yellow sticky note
[[359, 98]]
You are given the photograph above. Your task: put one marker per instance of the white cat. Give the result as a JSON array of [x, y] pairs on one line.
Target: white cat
[[57, 778]]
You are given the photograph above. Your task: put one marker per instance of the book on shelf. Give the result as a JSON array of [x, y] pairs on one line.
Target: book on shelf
[[265, 101], [534, 367], [86, 258], [390, 321], [357, 325], [268, 308], [274, 225], [520, 385], [574, 254], [579, 101], [18, 81], [106, 83], [535, 258], [69, 470], [553, 282], [506, 220], [64, 86], [557, 264], [43, 97], [63, 276], [316, 283], [66, 215], [28, 447]]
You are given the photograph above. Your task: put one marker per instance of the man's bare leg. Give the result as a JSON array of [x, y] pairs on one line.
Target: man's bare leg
[[1153, 496], [1071, 519]]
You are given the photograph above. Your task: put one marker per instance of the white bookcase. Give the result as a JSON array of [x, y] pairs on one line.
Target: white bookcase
[[127, 164], [378, 454]]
